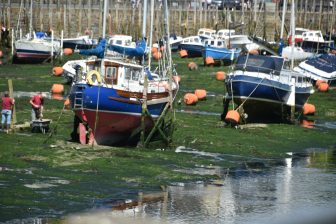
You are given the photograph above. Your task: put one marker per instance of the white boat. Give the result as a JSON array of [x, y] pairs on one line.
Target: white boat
[[313, 41], [32, 49], [237, 40], [296, 53], [205, 33], [322, 67], [80, 42]]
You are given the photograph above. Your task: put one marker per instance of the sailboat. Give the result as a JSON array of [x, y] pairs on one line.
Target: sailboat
[[266, 87], [32, 49], [111, 96]]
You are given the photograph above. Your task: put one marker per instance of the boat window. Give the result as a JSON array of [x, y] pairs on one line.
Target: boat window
[[196, 39], [128, 73], [111, 75], [219, 43], [212, 42], [136, 74], [119, 42]]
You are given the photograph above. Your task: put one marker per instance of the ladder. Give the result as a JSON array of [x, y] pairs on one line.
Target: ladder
[[78, 100]]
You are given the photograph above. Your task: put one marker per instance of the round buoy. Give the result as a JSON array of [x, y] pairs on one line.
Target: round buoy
[[232, 117], [57, 88], [177, 78], [323, 87], [308, 109], [154, 50], [67, 51], [157, 55], [190, 99], [1, 54], [57, 96], [192, 66], [254, 52], [200, 93], [220, 76], [57, 71], [183, 53], [318, 82], [307, 123], [209, 61]]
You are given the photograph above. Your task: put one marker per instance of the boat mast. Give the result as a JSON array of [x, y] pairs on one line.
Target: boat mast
[[292, 33], [104, 17], [31, 19], [151, 33], [144, 19], [284, 8]]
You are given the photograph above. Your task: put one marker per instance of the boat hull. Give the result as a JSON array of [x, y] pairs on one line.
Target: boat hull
[[193, 50], [224, 54], [264, 99], [117, 117]]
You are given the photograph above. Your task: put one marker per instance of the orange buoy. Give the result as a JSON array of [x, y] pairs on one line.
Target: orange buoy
[[232, 117], [67, 103], [209, 61], [192, 66], [200, 93], [177, 78], [254, 52], [220, 75], [157, 55], [190, 99], [67, 51], [323, 87], [183, 53], [154, 50], [308, 109], [57, 88], [1, 54], [307, 123], [318, 82], [57, 71], [56, 96]]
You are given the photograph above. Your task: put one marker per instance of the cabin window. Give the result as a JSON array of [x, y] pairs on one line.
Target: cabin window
[[212, 42], [196, 39], [219, 44], [111, 75], [136, 74], [128, 73], [119, 42]]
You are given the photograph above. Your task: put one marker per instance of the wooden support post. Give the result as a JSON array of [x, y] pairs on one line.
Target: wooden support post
[[11, 95], [144, 110]]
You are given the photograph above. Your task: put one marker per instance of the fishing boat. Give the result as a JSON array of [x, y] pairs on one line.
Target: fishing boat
[[34, 49], [80, 42], [266, 89], [193, 45], [117, 97], [217, 49], [322, 67]]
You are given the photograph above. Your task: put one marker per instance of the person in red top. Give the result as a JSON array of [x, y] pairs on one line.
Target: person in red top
[[37, 106], [6, 112]]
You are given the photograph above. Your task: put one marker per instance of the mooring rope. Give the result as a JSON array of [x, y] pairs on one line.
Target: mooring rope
[[250, 94], [55, 128]]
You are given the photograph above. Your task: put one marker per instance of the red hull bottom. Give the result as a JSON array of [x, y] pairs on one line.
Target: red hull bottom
[[112, 128]]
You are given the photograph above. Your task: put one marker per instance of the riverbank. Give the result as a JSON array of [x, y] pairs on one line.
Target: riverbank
[[34, 163]]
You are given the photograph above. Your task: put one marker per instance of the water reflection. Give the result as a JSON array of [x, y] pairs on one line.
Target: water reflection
[[298, 191]]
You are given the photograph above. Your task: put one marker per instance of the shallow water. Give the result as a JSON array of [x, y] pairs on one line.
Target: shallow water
[[254, 191]]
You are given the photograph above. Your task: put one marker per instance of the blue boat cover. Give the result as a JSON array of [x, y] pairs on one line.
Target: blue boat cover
[[325, 62], [259, 63], [137, 51], [40, 34], [98, 51]]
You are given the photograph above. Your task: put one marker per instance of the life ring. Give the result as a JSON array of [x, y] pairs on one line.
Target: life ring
[[91, 74]]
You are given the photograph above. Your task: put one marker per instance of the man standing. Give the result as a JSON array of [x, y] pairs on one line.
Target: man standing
[[6, 112], [37, 106]]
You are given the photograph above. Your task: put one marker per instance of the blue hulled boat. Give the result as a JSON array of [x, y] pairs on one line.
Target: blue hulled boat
[[217, 49], [265, 89], [193, 45]]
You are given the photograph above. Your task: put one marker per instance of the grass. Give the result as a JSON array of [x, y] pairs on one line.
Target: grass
[[98, 173]]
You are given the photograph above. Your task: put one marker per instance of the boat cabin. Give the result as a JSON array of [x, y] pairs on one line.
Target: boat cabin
[[192, 40], [121, 40], [225, 33], [217, 43], [205, 33]]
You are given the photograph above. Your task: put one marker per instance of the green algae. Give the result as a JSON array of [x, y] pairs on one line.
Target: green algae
[[99, 172]]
